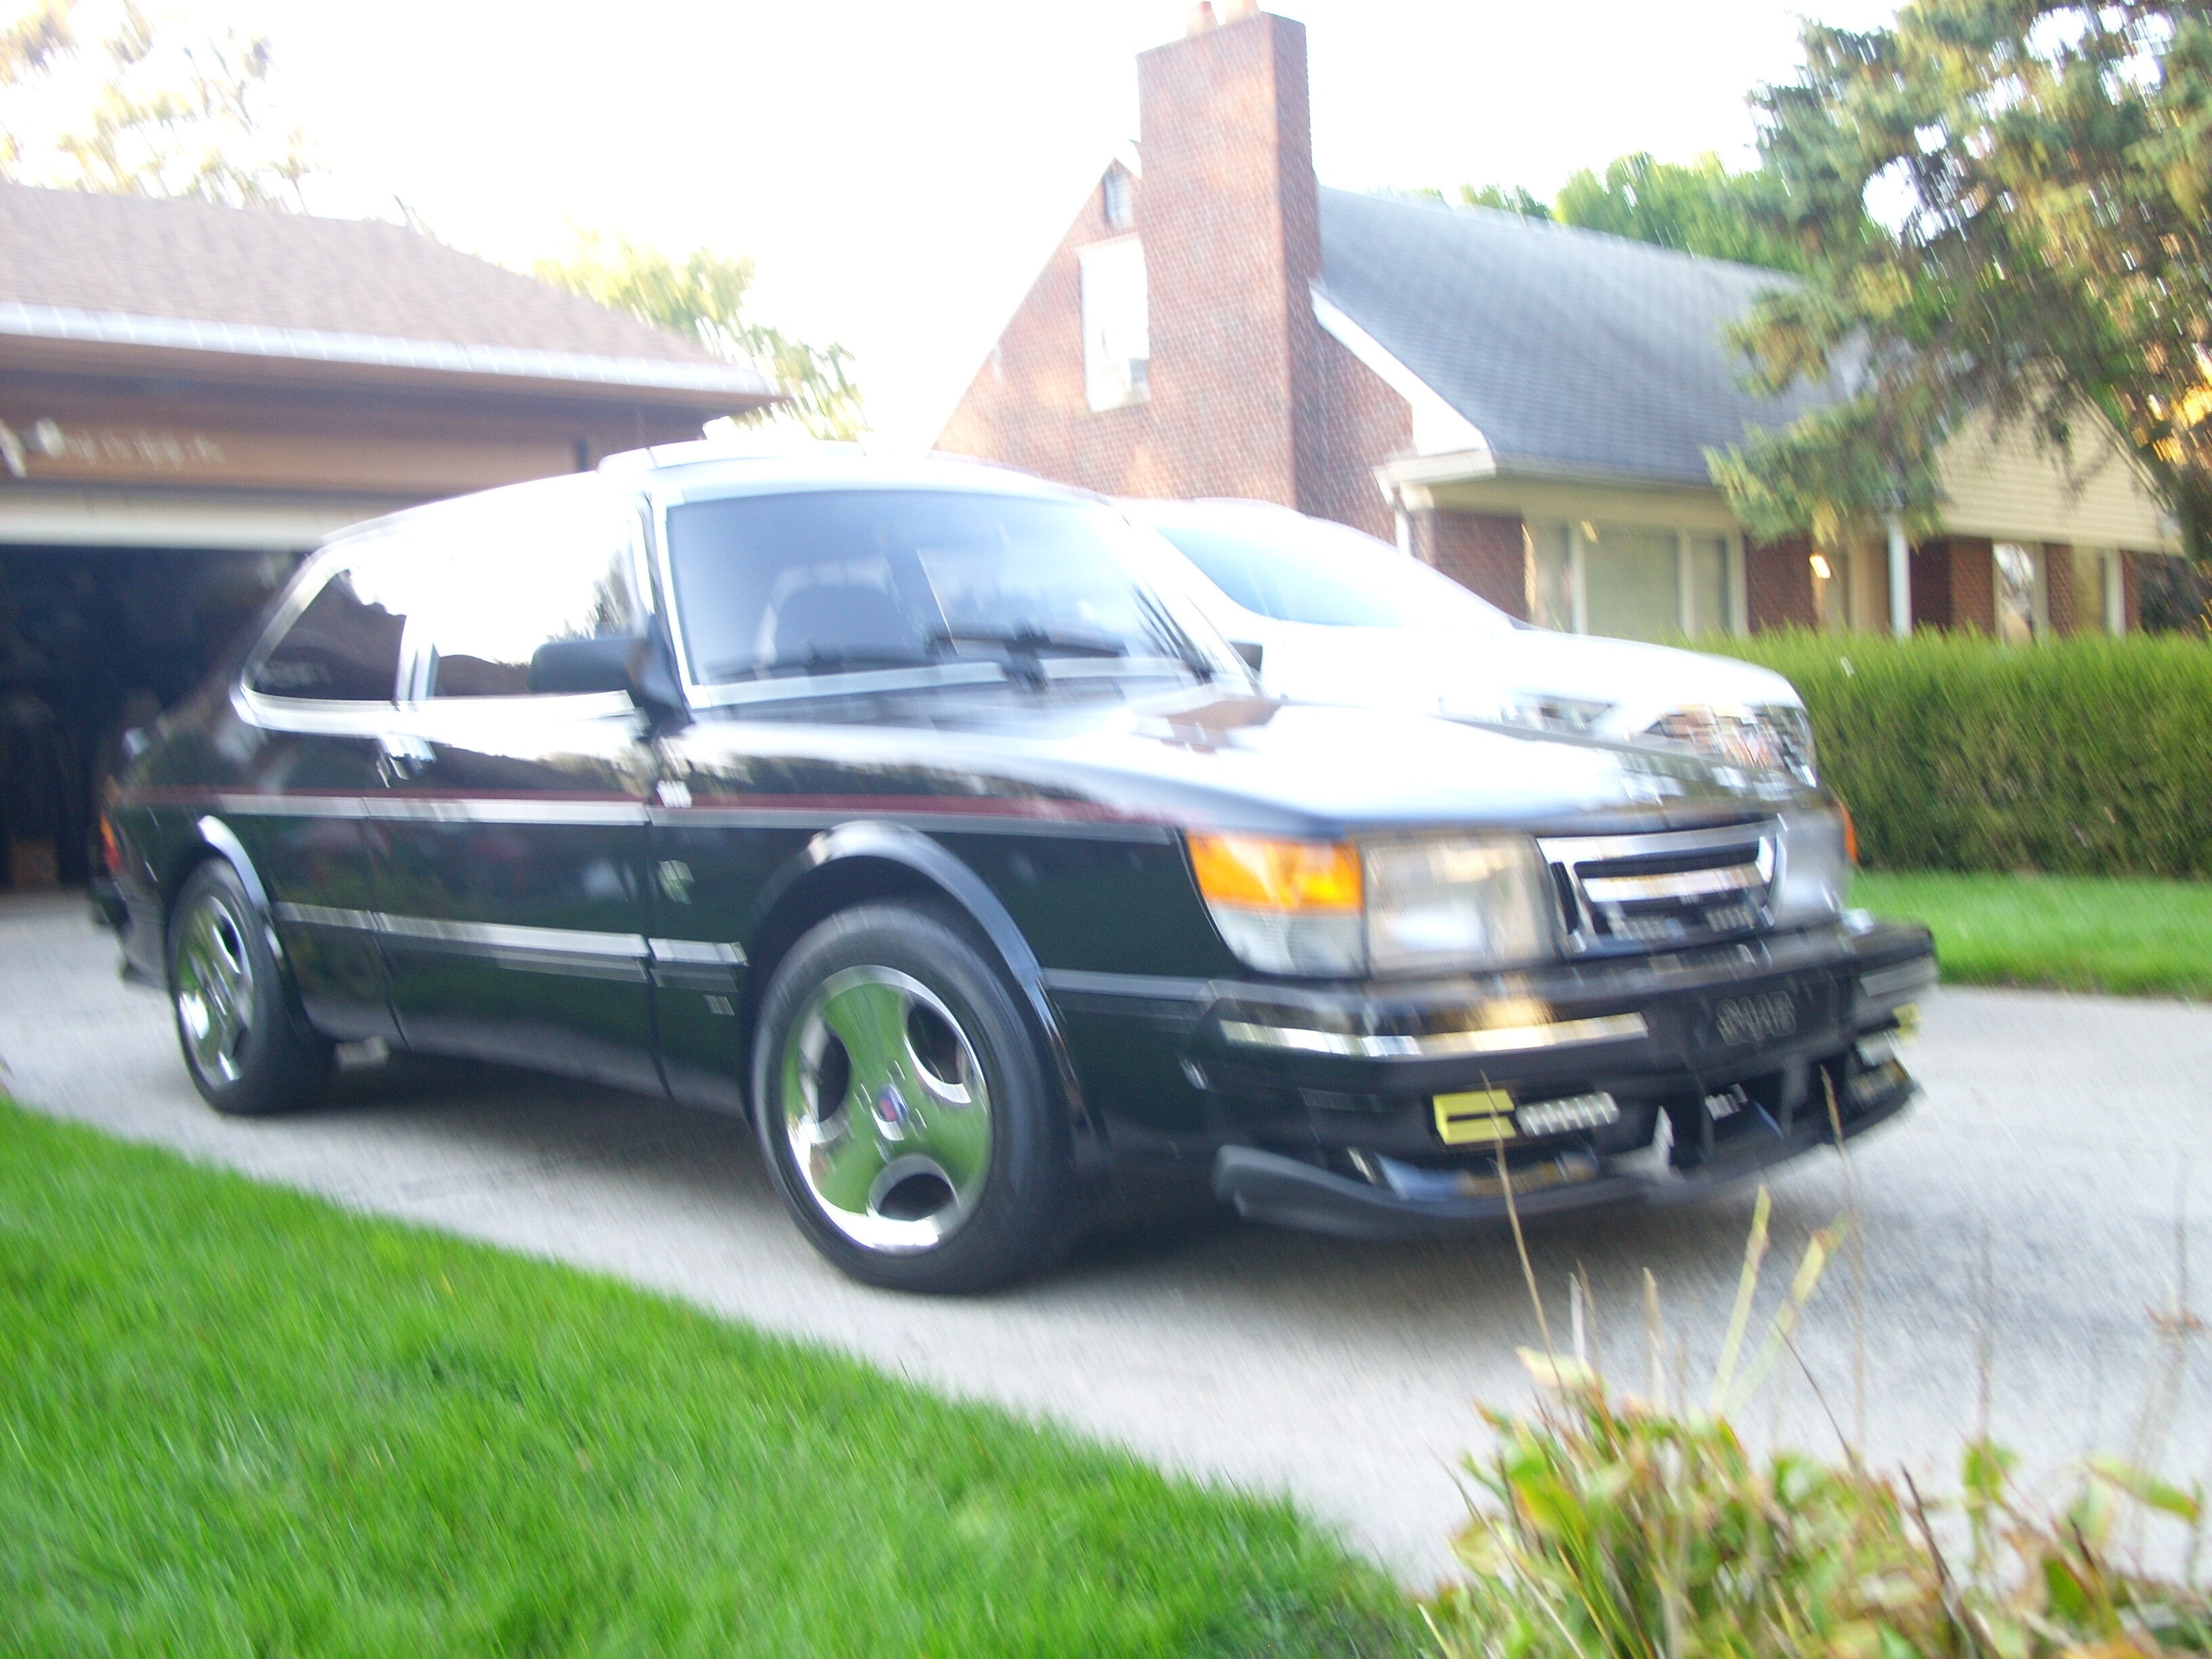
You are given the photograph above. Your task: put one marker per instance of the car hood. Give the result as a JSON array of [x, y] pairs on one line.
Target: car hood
[[1235, 761], [1479, 676]]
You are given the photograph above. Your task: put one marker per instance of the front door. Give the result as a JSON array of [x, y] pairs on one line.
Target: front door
[[512, 836], [513, 887]]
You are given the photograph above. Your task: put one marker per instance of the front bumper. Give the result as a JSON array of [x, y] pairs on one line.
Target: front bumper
[[1633, 1080], [1291, 1192]]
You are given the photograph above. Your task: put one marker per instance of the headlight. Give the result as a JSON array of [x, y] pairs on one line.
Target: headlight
[[1428, 905], [1285, 907], [1767, 737], [1815, 867]]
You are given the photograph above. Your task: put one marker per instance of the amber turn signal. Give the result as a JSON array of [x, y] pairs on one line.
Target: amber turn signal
[[1261, 873]]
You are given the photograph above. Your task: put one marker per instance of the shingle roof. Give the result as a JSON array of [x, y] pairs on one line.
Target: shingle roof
[[1568, 348], [139, 257]]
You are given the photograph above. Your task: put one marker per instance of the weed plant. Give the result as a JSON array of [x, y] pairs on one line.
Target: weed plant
[[1606, 1524]]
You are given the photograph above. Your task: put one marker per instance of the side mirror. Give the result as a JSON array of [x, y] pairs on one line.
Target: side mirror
[[581, 665], [1251, 651], [137, 740], [638, 667]]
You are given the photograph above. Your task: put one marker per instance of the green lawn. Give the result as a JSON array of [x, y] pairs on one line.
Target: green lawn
[[2078, 932], [236, 1421]]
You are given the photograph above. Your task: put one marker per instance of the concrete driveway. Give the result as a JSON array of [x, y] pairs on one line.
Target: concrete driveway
[[2057, 1128]]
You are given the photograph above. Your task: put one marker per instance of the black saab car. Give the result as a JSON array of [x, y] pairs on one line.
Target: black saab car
[[905, 809]]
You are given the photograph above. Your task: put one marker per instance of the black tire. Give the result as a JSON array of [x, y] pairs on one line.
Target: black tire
[[249, 1050], [957, 1200]]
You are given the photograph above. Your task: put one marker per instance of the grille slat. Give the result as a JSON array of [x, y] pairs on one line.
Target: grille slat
[[1671, 887]]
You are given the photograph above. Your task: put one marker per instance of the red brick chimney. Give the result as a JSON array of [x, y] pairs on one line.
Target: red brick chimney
[[1228, 218]]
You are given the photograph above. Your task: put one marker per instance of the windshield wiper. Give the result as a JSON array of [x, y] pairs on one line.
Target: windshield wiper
[[1030, 640], [816, 660]]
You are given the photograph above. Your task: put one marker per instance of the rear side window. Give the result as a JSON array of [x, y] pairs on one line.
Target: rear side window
[[512, 572], [343, 647]]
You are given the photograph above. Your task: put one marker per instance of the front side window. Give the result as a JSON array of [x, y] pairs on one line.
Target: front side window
[[507, 575], [1299, 569], [343, 646], [825, 582]]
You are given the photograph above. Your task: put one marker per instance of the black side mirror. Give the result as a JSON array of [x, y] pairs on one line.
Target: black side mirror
[[572, 667], [1251, 651], [638, 667]]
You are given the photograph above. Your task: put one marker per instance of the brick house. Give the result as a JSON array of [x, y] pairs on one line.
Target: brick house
[[1524, 405]]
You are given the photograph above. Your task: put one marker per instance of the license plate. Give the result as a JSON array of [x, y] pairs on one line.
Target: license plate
[[1762, 1019]]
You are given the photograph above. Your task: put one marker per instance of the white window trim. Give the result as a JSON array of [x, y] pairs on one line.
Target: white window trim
[[1083, 257], [1737, 581]]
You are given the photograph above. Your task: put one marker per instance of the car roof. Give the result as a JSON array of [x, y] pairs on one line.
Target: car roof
[[746, 464], [708, 468]]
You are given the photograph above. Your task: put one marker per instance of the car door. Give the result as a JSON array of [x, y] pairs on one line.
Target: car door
[[512, 838], [316, 698]]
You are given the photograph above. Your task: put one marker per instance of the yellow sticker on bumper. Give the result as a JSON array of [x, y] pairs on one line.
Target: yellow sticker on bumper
[[1477, 1115]]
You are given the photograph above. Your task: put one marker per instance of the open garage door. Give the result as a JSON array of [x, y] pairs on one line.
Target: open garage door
[[115, 604]]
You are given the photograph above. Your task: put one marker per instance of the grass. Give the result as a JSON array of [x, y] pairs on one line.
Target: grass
[[2074, 932], [238, 1420]]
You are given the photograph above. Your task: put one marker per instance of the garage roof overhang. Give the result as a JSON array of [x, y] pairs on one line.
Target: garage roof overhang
[[58, 340]]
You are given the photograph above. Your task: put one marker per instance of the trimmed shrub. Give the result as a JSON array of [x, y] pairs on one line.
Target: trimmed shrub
[[2088, 756]]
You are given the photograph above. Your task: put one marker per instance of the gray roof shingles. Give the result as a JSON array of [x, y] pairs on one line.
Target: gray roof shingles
[[1568, 349], [150, 258]]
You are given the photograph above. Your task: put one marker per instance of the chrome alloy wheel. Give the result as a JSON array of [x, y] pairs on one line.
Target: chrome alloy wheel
[[215, 988], [886, 1110]]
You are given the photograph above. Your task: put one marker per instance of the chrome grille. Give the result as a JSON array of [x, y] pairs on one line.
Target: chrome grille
[[1673, 887]]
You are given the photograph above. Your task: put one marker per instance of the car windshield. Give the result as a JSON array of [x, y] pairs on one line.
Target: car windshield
[[1293, 569], [863, 580]]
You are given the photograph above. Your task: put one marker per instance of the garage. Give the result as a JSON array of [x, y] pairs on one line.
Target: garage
[[191, 397]]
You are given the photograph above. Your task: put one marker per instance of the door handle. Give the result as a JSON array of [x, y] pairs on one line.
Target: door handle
[[400, 759]]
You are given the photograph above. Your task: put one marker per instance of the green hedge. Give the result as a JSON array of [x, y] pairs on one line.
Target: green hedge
[[2089, 756]]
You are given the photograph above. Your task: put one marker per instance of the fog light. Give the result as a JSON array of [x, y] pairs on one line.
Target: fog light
[[1565, 1116]]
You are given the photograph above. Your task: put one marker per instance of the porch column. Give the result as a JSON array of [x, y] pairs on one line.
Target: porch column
[[1900, 580]]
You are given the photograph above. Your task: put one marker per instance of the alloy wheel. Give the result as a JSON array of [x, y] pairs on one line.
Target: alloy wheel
[[215, 988], [886, 1111]]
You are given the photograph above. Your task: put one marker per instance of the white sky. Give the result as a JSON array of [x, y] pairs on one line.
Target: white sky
[[899, 170]]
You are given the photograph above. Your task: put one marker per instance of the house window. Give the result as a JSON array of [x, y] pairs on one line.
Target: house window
[[2099, 591], [2022, 605], [1633, 581], [1119, 215], [1116, 342]]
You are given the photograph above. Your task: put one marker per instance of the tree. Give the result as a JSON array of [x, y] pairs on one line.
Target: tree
[[704, 296], [2003, 206], [165, 113], [1506, 198], [1701, 208]]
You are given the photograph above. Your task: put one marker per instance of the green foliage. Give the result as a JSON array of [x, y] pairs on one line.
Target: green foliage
[[2041, 170], [2087, 755], [1612, 1529], [162, 112], [237, 1421], [1506, 198], [1702, 208], [703, 296]]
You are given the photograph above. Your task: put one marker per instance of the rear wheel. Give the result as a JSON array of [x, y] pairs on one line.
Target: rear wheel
[[245, 1044], [904, 1108]]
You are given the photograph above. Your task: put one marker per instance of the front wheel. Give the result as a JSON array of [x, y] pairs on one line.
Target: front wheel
[[904, 1108], [244, 1043]]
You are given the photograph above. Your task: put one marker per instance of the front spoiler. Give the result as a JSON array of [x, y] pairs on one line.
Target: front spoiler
[[1284, 1192]]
